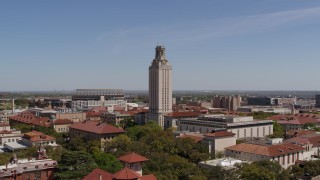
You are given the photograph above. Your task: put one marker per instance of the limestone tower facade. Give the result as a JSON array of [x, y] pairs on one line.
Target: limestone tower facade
[[160, 87]]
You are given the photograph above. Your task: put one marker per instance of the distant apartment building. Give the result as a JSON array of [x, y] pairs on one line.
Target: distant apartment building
[[267, 109], [241, 126], [88, 98], [268, 101], [317, 105], [259, 101], [230, 103], [50, 103]]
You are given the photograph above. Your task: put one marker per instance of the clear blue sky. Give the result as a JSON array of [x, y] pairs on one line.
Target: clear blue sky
[[212, 45]]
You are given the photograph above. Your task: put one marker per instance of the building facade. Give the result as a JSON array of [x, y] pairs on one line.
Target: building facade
[[241, 126], [160, 87], [285, 154], [88, 98], [317, 105], [92, 130], [230, 103]]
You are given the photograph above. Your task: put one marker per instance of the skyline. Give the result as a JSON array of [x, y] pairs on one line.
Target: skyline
[[227, 45]]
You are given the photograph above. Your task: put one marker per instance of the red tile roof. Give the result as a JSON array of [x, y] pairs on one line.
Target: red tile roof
[[195, 138], [132, 158], [96, 127], [306, 139], [62, 121], [95, 175], [298, 119], [28, 118], [266, 150], [36, 136], [301, 132], [220, 134], [126, 173], [94, 113]]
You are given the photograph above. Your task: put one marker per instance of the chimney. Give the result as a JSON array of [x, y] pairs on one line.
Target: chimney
[[100, 176]]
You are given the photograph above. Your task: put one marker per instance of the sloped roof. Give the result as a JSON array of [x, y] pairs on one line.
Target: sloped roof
[[266, 150], [300, 132], [306, 139], [132, 158], [195, 138], [126, 173], [36, 136], [96, 127], [62, 121], [96, 173]]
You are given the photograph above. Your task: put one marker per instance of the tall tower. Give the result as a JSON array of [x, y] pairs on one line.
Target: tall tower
[[160, 87]]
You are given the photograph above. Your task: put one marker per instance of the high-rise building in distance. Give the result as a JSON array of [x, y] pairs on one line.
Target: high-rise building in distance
[[160, 87]]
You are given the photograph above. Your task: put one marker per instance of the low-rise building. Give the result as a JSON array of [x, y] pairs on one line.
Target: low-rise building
[[74, 116], [241, 126], [170, 119], [21, 169], [297, 121], [219, 140], [216, 141], [285, 154], [4, 126], [95, 131], [8, 136], [310, 143], [35, 138], [62, 125]]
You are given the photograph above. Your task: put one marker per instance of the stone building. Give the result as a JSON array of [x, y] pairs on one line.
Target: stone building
[[160, 87]]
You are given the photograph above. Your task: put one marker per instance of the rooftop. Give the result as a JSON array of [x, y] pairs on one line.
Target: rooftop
[[96, 127], [36, 136], [132, 158], [126, 173], [266, 150], [98, 174], [62, 121]]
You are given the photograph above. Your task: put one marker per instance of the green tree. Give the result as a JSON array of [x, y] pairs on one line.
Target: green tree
[[74, 165], [107, 162], [120, 143], [278, 131]]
